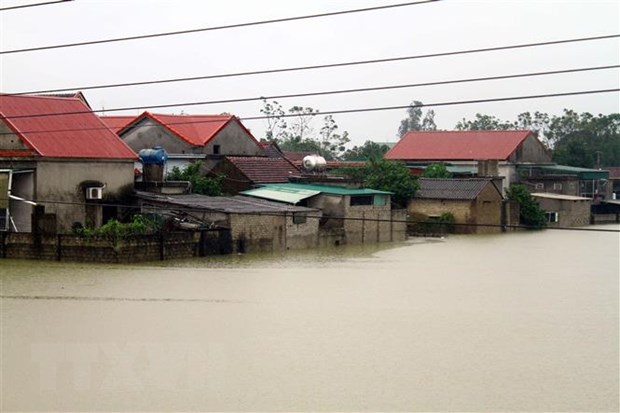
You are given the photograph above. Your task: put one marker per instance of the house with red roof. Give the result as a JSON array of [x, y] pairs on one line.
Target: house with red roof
[[58, 158], [187, 138], [468, 148], [245, 172]]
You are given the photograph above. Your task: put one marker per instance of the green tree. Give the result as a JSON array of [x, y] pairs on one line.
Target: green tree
[[416, 120], [384, 175], [436, 170], [332, 144], [201, 184], [484, 122], [369, 150], [530, 212]]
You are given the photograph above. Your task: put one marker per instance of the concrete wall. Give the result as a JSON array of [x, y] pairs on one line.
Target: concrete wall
[[8, 140], [532, 151], [486, 210], [570, 213], [61, 184], [232, 140], [272, 233]]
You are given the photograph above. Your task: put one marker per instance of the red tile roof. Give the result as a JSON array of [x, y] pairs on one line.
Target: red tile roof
[[457, 145], [197, 130], [264, 170], [117, 123], [75, 132]]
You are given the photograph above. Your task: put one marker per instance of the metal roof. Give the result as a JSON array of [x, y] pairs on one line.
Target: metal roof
[[233, 205], [582, 173], [550, 195], [69, 129], [457, 145], [463, 189], [293, 193]]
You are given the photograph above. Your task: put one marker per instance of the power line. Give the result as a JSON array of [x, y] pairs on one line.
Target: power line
[[181, 208], [23, 6], [321, 93], [324, 66], [361, 110], [206, 29]]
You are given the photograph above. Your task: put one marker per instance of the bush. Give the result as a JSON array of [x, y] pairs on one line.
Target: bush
[[530, 212]]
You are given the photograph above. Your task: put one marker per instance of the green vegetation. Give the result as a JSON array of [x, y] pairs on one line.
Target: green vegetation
[[369, 150], [436, 170], [203, 185], [114, 230], [383, 175], [583, 140], [530, 213], [416, 120]]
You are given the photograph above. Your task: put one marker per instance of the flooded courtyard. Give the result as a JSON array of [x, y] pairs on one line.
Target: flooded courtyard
[[512, 322]]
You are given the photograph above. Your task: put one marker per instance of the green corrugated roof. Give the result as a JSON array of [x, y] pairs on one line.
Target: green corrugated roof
[[293, 193]]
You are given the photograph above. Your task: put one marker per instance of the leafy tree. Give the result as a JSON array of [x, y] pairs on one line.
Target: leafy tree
[[384, 175], [332, 144], [204, 185], [484, 122], [417, 120], [369, 150], [530, 212], [436, 170]]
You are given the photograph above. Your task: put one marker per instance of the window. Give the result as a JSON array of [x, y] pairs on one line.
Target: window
[[216, 149], [357, 200], [380, 200], [551, 216], [539, 185], [557, 186], [299, 218]]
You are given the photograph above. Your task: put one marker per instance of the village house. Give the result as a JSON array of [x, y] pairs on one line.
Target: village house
[[60, 161], [475, 203], [249, 224], [245, 172], [187, 138], [350, 215], [465, 149], [564, 210], [567, 180]]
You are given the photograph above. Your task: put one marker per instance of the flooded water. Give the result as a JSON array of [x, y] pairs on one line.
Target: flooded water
[[512, 322]]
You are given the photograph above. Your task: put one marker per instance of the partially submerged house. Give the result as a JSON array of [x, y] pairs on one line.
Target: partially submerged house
[[188, 138], [245, 172], [350, 215], [465, 149], [59, 160], [564, 210], [252, 225], [475, 203], [567, 180]]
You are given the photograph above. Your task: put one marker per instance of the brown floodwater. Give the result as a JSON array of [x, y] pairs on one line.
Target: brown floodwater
[[512, 322]]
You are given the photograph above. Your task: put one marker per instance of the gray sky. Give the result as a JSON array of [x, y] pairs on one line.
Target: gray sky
[[429, 28]]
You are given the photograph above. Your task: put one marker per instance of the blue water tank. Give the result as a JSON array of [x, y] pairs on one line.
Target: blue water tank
[[155, 156]]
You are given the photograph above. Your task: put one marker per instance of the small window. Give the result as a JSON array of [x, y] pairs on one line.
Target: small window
[[540, 185], [380, 200], [358, 200], [216, 149], [557, 186], [551, 216], [299, 218]]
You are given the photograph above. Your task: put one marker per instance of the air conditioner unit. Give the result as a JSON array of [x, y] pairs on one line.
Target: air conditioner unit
[[94, 193]]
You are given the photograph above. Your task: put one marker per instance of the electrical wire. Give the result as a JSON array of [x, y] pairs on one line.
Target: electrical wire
[[23, 6], [206, 29], [322, 93], [358, 110], [324, 66]]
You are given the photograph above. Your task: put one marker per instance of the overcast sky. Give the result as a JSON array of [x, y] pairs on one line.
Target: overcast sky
[[443, 26]]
